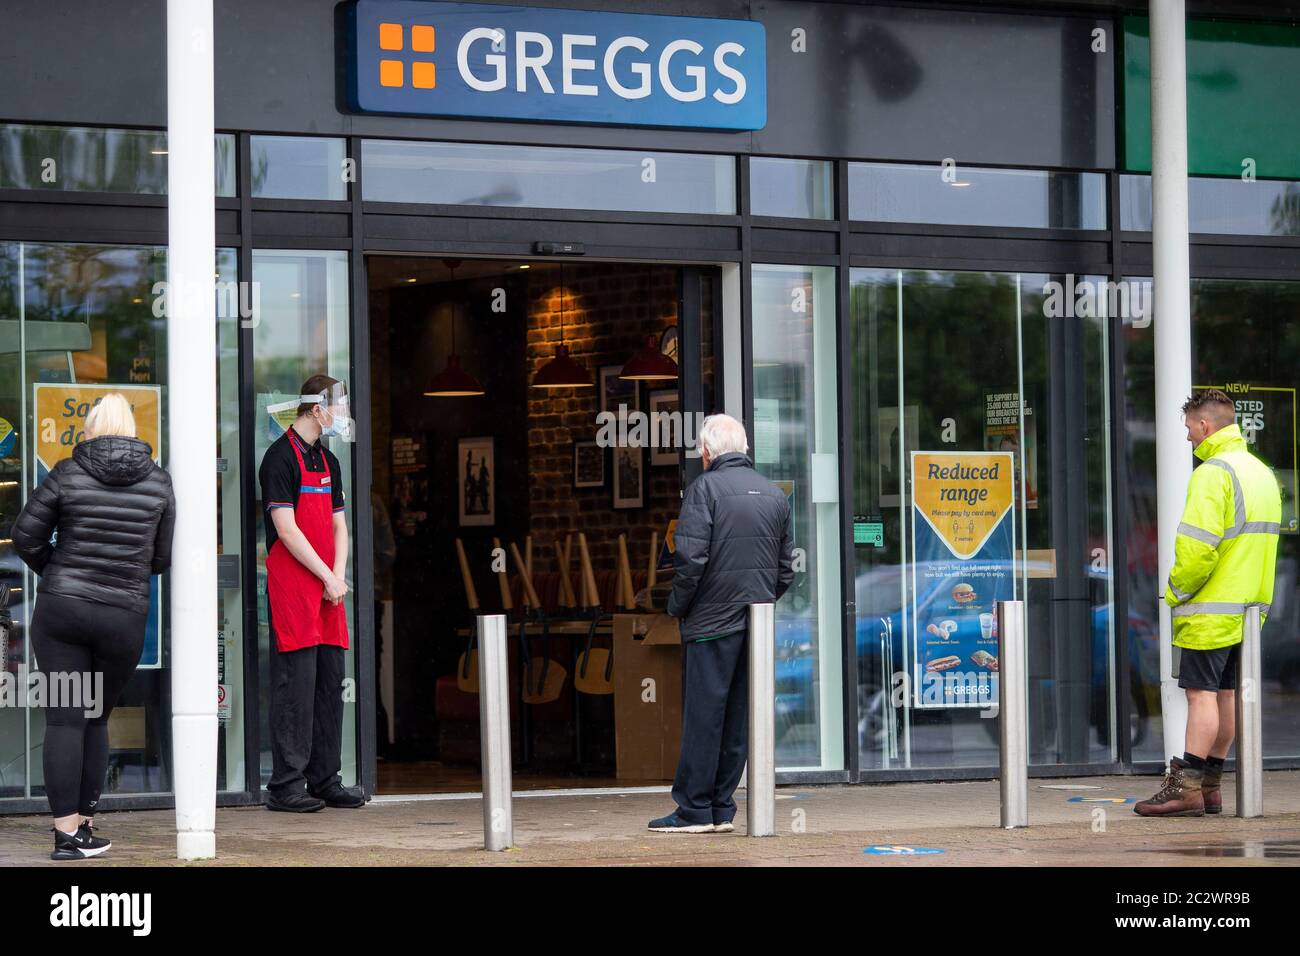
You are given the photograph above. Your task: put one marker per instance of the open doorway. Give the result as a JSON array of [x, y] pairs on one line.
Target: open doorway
[[494, 490]]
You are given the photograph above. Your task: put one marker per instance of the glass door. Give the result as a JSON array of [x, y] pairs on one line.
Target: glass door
[[301, 331], [982, 474]]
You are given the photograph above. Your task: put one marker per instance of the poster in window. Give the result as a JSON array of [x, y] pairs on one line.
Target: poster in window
[[1266, 415], [1002, 433], [963, 529]]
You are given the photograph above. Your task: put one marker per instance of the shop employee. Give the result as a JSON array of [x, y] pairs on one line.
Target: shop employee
[[306, 566]]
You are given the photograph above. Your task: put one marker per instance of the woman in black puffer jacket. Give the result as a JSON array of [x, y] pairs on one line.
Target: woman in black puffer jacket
[[113, 510]]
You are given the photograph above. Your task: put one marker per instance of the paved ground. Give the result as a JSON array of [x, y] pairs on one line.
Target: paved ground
[[817, 826]]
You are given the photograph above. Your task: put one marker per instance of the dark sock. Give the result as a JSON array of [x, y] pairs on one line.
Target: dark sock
[[1193, 761], [1214, 763]]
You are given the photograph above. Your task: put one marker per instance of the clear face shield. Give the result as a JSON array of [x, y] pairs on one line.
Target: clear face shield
[[334, 414]]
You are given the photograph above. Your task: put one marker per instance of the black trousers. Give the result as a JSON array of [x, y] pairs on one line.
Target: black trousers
[[306, 718], [715, 728], [95, 648]]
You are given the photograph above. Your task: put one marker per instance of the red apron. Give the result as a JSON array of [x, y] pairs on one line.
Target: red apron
[[300, 615]]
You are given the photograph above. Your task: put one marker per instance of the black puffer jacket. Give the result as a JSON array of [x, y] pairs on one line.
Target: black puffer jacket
[[732, 548], [114, 512]]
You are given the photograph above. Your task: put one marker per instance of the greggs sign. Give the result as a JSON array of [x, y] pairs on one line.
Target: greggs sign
[[568, 66]]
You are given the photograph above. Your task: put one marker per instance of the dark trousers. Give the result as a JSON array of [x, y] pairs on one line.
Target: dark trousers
[[100, 644], [715, 728], [306, 718]]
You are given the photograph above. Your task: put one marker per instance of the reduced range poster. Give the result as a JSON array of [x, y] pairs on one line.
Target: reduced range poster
[[963, 529]]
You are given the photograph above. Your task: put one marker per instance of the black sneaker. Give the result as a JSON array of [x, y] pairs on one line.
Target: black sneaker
[[296, 801], [344, 798], [81, 845]]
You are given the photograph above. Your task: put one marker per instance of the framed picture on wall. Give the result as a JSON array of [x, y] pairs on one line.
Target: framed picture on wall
[[665, 400], [476, 479], [615, 391], [629, 478], [588, 465]]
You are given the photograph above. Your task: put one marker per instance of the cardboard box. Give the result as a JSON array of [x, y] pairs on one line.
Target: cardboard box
[[647, 696]]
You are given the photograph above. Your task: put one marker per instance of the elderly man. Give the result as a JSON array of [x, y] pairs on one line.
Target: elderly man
[[1225, 558], [732, 548]]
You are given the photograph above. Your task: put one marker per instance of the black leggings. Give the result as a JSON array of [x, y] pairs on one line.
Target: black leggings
[[86, 652]]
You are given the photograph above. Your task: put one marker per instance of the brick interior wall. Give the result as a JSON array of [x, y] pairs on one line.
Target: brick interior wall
[[609, 308]]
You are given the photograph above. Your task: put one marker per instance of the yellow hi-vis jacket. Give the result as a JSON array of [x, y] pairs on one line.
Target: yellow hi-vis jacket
[[1225, 554]]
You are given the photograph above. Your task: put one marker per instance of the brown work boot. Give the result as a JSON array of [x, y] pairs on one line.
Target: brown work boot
[[1179, 797], [1211, 788]]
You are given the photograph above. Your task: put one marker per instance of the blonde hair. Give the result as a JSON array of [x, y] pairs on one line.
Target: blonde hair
[[111, 416]]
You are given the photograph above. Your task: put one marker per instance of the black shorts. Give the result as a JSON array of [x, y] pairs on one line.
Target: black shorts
[[1209, 670]]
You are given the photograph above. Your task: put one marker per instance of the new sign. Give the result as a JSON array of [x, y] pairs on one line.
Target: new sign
[[567, 66]]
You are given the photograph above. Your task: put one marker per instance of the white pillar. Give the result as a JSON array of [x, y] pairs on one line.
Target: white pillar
[[192, 416], [1173, 320]]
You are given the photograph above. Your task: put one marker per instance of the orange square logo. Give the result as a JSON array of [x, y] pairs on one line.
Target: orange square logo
[[423, 76], [422, 39], [390, 36], [390, 72]]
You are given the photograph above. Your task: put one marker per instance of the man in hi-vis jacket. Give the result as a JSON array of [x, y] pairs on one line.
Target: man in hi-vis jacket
[[1225, 556]]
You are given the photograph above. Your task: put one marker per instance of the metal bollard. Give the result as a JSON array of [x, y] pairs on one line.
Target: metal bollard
[[494, 731], [760, 793], [1250, 749], [1013, 714]]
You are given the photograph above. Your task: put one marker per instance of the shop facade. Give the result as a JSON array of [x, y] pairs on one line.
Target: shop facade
[[930, 234]]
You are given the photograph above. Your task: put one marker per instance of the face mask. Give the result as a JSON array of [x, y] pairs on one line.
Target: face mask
[[340, 426]]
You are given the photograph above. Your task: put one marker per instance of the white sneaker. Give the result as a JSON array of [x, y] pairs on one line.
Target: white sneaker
[[727, 827]]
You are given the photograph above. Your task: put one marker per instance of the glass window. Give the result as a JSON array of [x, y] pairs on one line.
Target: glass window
[[795, 426], [545, 177], [974, 196], [951, 362], [1245, 339], [76, 321], [298, 167], [792, 188], [93, 159], [1220, 206], [301, 330]]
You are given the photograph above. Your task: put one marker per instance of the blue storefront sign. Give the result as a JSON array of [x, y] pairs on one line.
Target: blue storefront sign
[[559, 66], [963, 529]]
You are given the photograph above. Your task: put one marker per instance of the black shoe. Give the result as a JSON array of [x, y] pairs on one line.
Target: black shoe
[[81, 845], [296, 801], [344, 798]]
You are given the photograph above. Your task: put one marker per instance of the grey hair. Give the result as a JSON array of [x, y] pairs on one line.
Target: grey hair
[[722, 434]]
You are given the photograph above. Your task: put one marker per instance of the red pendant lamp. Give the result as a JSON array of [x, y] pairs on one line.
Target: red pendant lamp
[[649, 364], [453, 381], [563, 371]]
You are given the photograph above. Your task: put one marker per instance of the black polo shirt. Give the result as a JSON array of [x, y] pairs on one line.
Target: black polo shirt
[[281, 480]]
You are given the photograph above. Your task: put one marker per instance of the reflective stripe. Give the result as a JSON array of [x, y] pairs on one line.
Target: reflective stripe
[[1182, 596], [1261, 527], [1239, 499], [1218, 607], [1199, 534]]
